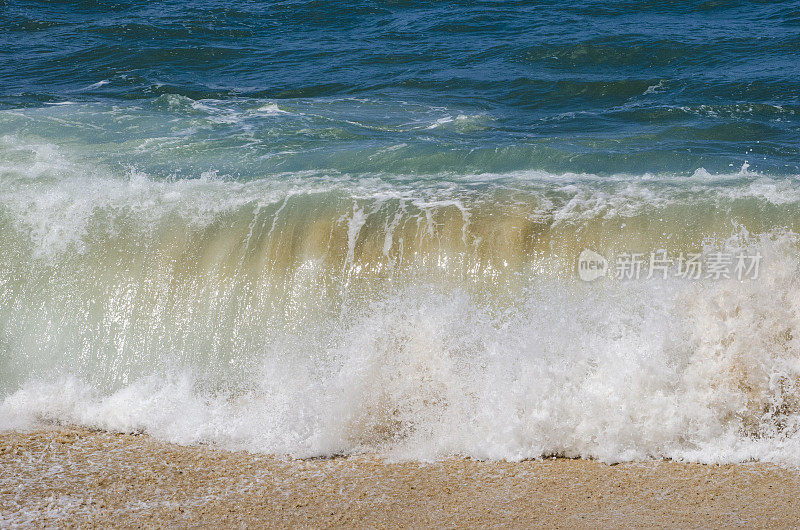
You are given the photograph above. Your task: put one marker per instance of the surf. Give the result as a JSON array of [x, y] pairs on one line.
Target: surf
[[318, 313]]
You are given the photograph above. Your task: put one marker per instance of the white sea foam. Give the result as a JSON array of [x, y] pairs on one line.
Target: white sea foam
[[655, 89], [98, 84], [461, 122], [636, 370], [270, 109], [53, 197], [315, 313]]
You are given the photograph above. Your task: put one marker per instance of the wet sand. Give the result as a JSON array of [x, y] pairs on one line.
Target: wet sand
[[68, 477]]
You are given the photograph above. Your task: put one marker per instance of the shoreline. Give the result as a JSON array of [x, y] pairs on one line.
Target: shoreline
[[68, 476]]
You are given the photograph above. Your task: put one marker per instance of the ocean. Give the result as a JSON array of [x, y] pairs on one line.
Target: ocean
[[497, 229]]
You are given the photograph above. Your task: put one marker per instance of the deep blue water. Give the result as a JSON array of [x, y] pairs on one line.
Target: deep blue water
[[464, 87]]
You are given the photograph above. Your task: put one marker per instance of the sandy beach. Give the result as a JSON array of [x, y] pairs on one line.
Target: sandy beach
[[73, 477]]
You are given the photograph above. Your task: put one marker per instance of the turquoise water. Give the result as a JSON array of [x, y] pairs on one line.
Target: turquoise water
[[314, 228]]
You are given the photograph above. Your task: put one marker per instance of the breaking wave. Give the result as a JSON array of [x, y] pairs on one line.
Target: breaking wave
[[323, 313]]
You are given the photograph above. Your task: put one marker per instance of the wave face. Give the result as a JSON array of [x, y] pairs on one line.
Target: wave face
[[320, 313], [311, 229]]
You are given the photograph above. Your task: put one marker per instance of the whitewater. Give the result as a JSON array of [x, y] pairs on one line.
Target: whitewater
[[321, 314]]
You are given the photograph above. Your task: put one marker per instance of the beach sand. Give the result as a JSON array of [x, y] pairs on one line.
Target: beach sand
[[69, 476]]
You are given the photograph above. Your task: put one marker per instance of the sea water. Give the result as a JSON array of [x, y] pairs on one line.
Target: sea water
[[317, 228]]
